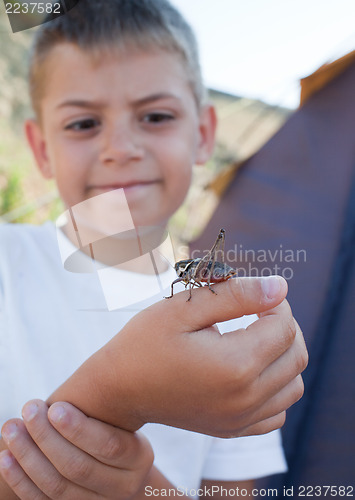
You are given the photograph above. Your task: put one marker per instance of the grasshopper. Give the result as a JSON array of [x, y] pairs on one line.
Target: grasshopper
[[209, 269]]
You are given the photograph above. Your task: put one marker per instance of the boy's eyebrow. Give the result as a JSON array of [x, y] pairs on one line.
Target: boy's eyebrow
[[156, 97], [82, 103]]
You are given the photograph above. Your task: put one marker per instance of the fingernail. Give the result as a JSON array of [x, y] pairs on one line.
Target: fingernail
[[6, 460], [271, 286], [56, 414], [29, 411], [9, 432]]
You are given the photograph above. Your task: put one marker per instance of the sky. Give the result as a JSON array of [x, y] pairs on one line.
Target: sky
[[261, 48]]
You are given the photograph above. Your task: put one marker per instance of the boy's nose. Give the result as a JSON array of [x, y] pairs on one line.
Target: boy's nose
[[119, 148]]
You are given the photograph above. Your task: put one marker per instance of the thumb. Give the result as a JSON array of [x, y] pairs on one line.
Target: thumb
[[234, 298]]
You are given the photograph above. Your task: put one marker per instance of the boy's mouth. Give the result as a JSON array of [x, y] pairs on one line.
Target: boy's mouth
[[130, 187]]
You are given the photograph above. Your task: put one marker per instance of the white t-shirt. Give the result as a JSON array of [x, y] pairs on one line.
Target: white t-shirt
[[52, 320]]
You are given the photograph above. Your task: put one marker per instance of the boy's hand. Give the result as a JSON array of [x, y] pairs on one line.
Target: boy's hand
[[169, 365], [71, 456]]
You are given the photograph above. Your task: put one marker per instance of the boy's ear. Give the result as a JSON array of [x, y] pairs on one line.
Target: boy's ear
[[208, 124], [38, 145]]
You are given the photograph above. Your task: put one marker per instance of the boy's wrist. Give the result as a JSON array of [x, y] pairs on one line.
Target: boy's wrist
[[156, 485], [103, 388]]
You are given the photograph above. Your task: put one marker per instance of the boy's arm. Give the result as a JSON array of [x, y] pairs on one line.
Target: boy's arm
[[153, 484], [199, 353], [105, 462], [123, 469], [167, 355], [219, 490], [168, 363]]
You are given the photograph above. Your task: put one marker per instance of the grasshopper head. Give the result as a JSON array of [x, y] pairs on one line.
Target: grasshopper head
[[181, 265]]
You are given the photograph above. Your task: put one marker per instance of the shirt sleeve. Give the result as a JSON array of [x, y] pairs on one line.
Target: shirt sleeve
[[245, 458]]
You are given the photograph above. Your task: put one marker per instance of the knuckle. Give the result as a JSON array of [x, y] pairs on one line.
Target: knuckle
[[145, 451], [280, 420], [41, 433], [54, 487], [77, 468], [299, 388], [289, 329], [301, 356], [113, 448], [246, 392], [304, 359], [237, 290], [265, 426], [21, 454], [274, 423], [301, 362], [16, 482], [245, 372], [130, 486], [296, 390], [75, 431]]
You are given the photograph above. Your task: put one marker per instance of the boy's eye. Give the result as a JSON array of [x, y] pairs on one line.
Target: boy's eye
[[157, 117], [82, 125]]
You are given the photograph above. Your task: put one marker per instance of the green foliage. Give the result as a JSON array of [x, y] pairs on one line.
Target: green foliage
[[14, 101], [24, 195], [11, 193]]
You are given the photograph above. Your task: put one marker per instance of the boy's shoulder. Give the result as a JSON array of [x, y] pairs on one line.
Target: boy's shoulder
[[14, 230], [16, 238], [21, 246]]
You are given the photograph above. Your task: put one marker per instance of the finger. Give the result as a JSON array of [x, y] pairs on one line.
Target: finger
[[36, 466], [273, 333], [280, 402], [290, 364], [280, 385], [264, 341], [234, 298], [110, 445], [15, 477], [265, 426], [79, 468]]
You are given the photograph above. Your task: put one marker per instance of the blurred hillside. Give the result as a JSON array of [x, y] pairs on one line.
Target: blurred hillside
[[244, 125], [14, 103], [20, 185]]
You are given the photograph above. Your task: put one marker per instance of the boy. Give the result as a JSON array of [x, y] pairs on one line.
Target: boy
[[120, 105]]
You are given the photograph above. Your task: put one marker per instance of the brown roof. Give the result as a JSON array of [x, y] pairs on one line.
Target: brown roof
[[325, 74]]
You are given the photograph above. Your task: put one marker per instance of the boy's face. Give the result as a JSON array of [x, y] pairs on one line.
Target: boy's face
[[127, 121]]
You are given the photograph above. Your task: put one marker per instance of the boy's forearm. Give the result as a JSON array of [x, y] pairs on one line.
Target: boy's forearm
[[157, 485], [220, 490], [103, 389]]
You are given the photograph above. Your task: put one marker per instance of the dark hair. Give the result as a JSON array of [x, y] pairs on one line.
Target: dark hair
[[95, 25]]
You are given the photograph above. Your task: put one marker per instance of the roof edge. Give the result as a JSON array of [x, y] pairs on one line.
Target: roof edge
[[313, 83]]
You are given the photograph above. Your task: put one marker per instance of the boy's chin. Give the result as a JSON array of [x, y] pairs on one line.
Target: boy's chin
[[111, 214], [148, 223]]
